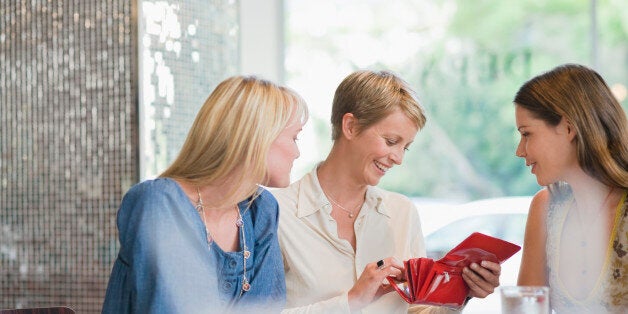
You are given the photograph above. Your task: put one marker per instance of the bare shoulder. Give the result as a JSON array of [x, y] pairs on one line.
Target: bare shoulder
[[540, 203]]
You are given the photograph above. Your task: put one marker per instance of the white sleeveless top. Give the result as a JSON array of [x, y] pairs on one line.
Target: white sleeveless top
[[610, 293]]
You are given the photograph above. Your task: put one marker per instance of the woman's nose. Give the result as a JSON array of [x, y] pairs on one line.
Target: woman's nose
[[520, 151], [397, 156]]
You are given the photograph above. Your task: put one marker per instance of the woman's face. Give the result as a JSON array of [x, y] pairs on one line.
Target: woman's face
[[283, 152], [549, 150], [381, 146]]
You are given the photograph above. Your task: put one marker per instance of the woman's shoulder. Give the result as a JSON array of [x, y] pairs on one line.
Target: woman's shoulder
[[396, 202], [287, 196], [263, 211], [553, 196], [264, 204], [153, 188], [148, 202], [151, 194], [265, 197], [540, 203], [542, 196], [390, 196]]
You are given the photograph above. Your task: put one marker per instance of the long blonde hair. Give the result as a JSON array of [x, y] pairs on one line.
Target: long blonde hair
[[580, 95], [371, 96], [233, 132]]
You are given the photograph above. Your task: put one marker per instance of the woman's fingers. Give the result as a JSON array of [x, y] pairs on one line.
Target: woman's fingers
[[384, 289], [369, 286], [482, 280], [390, 266], [391, 261], [392, 272]]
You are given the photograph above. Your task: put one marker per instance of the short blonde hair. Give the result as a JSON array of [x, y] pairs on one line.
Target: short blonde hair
[[234, 130], [371, 96]]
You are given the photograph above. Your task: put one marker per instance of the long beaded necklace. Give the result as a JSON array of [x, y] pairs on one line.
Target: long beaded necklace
[[200, 208], [350, 212]]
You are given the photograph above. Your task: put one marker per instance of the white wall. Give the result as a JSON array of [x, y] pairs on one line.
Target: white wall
[[262, 38]]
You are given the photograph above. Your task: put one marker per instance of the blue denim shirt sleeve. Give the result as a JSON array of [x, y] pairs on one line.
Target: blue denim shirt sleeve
[[161, 255], [268, 287], [164, 264]]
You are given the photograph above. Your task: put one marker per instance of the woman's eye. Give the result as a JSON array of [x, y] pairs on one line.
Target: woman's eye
[[390, 142]]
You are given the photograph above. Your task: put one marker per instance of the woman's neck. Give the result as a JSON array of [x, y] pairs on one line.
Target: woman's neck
[[216, 197], [336, 179], [590, 194]]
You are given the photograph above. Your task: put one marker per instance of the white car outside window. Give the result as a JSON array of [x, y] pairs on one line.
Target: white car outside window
[[445, 224]]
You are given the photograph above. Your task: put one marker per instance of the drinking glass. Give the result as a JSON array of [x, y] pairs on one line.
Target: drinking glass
[[525, 300]]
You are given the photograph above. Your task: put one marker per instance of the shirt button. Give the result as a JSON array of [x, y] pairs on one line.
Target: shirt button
[[232, 263], [226, 286]]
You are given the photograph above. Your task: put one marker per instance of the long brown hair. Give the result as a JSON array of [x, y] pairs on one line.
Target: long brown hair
[[580, 95]]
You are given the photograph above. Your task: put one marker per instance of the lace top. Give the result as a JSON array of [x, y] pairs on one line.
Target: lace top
[[610, 293]]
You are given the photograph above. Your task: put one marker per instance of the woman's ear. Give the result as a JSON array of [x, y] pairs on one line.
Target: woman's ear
[[569, 128], [349, 125]]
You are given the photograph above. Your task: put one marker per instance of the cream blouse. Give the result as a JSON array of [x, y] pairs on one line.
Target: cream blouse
[[321, 267]]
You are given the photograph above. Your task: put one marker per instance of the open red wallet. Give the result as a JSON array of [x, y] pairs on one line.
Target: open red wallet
[[440, 282]]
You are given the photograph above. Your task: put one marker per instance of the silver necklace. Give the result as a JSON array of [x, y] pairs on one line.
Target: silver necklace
[[200, 208], [349, 212]]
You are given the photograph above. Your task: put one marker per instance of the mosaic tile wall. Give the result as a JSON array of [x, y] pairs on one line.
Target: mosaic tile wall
[[74, 87], [186, 49], [68, 147]]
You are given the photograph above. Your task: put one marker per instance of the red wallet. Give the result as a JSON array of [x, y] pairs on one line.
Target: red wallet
[[440, 282]]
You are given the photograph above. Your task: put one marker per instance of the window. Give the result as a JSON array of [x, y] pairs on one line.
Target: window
[[466, 60]]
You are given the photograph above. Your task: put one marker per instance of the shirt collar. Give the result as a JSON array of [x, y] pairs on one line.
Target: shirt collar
[[376, 196], [312, 199]]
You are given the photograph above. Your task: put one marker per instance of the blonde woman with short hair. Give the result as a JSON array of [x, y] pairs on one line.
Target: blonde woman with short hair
[[203, 236], [340, 234]]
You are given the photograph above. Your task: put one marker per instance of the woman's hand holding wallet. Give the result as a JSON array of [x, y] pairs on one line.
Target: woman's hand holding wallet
[[482, 279], [369, 286], [442, 282]]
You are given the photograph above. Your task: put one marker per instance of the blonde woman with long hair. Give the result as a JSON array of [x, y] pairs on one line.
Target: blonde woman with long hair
[[574, 136], [203, 236]]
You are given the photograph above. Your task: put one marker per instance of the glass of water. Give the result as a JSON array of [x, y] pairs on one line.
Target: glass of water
[[525, 300]]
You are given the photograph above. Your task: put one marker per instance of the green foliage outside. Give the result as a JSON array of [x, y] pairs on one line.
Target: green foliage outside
[[467, 77]]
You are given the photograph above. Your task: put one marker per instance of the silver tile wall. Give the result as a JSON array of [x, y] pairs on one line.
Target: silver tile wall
[[186, 48], [74, 106]]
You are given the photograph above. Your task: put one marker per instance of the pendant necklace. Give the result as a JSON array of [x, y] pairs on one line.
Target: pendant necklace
[[200, 208], [349, 212]]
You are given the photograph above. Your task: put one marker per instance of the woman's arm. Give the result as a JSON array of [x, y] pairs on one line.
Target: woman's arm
[[166, 255], [268, 286], [366, 290], [533, 261]]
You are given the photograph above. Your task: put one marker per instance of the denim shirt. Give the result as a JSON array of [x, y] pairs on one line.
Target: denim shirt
[[165, 264]]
